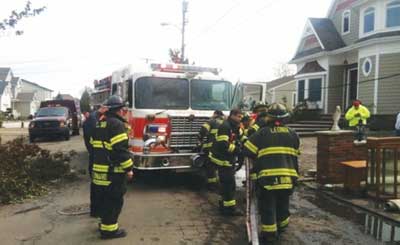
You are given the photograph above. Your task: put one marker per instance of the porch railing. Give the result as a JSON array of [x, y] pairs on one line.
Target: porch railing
[[383, 167]]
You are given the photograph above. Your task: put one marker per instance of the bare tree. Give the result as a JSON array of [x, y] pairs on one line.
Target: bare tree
[[283, 70], [12, 21], [175, 57]]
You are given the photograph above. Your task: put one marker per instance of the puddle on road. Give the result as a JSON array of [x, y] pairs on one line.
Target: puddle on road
[[381, 229]]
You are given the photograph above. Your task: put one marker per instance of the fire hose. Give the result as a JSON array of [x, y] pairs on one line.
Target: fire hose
[[251, 208]]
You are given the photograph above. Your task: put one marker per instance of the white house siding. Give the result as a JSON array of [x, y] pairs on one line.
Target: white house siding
[[389, 89], [23, 108], [5, 99], [40, 93]]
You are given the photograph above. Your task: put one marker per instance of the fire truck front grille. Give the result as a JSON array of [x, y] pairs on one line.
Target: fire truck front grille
[[184, 131]]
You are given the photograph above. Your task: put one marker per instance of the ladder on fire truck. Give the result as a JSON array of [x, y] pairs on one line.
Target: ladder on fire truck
[[251, 209]]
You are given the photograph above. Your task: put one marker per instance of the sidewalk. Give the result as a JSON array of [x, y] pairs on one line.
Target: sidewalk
[[15, 124]]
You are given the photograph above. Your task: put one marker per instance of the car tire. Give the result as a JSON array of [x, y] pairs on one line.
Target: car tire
[[67, 136]]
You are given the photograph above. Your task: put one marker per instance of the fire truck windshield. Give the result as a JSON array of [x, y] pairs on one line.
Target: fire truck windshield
[[161, 93], [210, 95]]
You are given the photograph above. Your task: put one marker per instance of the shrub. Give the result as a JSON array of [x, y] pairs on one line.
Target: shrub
[[26, 170]]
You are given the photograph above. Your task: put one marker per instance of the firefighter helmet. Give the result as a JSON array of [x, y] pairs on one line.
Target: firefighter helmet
[[259, 107], [114, 102], [277, 111]]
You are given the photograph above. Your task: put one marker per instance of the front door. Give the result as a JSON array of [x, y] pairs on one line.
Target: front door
[[352, 81]]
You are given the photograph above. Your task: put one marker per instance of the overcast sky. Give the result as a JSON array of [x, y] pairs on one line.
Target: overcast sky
[[74, 41]]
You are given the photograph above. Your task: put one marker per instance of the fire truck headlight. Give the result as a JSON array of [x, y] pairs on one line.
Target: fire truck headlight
[[161, 138]]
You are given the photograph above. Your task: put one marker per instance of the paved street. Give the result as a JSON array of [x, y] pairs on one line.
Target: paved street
[[163, 209]]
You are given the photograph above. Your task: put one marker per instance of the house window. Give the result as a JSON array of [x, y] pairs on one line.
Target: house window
[[301, 89], [367, 67], [369, 20], [346, 22], [315, 89], [393, 14]]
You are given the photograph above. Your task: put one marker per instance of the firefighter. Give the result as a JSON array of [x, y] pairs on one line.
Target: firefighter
[[260, 110], [206, 138], [112, 166], [88, 126], [246, 123], [223, 154], [357, 117], [274, 149]]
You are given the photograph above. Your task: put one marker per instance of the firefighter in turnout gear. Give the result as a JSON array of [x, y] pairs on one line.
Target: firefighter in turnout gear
[[223, 154], [274, 149], [112, 166], [260, 120], [206, 138]]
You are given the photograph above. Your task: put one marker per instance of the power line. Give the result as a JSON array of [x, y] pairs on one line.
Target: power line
[[217, 21], [209, 28], [341, 85]]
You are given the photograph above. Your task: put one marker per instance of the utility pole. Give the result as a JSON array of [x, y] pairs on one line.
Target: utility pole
[[184, 22]]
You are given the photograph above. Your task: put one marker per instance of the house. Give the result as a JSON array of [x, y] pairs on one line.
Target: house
[[41, 93], [353, 53], [26, 104], [5, 89], [282, 90], [20, 96]]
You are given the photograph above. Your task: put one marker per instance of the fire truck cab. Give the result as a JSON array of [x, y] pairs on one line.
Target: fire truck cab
[[167, 105], [248, 94]]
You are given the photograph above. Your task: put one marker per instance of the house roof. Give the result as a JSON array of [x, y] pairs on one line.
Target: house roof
[[307, 53], [311, 67], [3, 85], [14, 81], [37, 85], [327, 33], [25, 96], [4, 73], [277, 82]]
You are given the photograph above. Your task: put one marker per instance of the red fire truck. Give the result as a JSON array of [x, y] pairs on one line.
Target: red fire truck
[[168, 103]]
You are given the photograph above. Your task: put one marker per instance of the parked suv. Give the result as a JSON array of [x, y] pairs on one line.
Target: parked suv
[[50, 122]]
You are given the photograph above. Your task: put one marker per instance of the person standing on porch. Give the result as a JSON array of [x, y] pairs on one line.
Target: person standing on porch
[[357, 117]]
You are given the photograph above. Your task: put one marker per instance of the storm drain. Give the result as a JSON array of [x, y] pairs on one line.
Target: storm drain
[[72, 210]]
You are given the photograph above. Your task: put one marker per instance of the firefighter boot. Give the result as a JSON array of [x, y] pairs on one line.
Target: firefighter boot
[[268, 239], [118, 234]]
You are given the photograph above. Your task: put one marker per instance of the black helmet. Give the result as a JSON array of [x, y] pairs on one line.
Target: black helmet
[[277, 111], [259, 107], [114, 102]]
